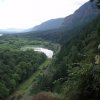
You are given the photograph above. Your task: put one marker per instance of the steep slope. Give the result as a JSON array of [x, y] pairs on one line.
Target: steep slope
[[48, 25], [84, 14], [75, 65], [73, 73], [72, 25]]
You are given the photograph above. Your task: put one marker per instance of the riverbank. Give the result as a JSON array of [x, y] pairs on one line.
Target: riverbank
[[15, 44], [1, 34], [49, 53]]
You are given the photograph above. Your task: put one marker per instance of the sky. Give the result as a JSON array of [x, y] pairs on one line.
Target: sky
[[24, 14]]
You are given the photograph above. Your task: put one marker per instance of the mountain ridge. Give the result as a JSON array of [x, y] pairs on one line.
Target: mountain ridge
[[83, 15], [49, 24], [71, 25]]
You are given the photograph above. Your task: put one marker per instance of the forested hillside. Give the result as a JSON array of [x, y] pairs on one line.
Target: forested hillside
[[74, 74], [49, 25], [74, 71], [71, 25]]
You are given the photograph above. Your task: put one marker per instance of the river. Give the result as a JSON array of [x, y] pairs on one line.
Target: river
[[47, 52], [1, 34]]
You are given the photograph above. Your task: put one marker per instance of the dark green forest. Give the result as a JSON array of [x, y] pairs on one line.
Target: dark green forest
[[75, 72], [15, 67], [72, 74]]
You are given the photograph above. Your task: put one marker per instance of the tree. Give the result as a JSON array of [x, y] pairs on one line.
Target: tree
[[4, 92], [97, 1]]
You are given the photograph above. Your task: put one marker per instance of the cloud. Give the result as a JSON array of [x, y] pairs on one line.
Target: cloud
[[27, 13], [80, 2]]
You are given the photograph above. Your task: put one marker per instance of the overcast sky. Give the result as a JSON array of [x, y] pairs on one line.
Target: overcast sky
[[28, 13]]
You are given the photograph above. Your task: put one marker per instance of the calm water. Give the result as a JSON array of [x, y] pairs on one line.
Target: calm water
[[47, 52], [1, 34]]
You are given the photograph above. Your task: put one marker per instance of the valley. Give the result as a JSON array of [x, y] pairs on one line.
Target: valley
[[56, 60], [16, 44]]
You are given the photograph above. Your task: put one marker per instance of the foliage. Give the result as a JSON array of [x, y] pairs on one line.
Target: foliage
[[42, 83], [15, 67], [86, 83], [78, 56], [97, 1], [73, 72]]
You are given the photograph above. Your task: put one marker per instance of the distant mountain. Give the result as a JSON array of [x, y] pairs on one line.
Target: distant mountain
[[83, 15], [48, 25], [71, 26], [13, 31]]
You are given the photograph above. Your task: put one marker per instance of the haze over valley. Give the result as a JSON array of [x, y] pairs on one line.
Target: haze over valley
[[49, 50], [24, 14]]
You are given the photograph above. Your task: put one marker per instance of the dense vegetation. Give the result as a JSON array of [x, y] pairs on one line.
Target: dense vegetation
[[97, 1], [16, 65], [74, 72]]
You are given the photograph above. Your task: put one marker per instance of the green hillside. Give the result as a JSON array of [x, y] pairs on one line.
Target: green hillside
[[74, 74]]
